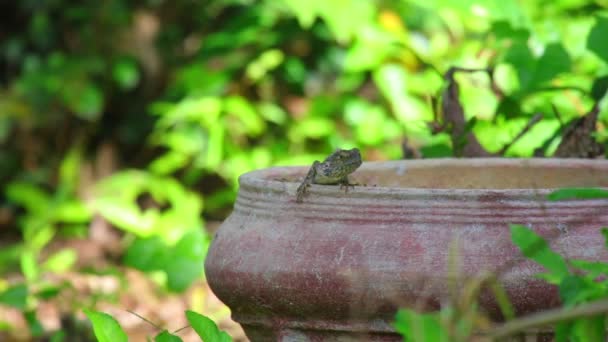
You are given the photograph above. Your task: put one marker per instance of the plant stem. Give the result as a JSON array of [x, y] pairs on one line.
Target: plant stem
[[549, 317]]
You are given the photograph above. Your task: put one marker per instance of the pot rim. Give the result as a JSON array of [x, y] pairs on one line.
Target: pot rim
[[282, 179]]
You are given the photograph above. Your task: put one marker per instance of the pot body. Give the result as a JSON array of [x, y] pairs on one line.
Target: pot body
[[339, 265]]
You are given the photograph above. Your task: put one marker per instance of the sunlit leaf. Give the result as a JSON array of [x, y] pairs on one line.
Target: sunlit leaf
[[72, 212], [127, 216], [344, 27], [32, 197], [536, 248], [187, 260], [371, 47], [38, 236], [246, 113], [60, 261], [169, 163], [69, 169], [266, 62], [418, 327], [148, 254], [165, 336], [589, 329], [105, 327], [206, 329], [304, 12], [312, 127], [29, 264]]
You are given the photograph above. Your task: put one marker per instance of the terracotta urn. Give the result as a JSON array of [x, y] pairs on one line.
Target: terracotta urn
[[337, 266]]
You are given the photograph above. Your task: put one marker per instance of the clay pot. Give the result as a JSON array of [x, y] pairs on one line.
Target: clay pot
[[338, 266]]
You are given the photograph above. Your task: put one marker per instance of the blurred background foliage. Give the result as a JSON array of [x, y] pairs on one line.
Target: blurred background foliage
[[137, 117]]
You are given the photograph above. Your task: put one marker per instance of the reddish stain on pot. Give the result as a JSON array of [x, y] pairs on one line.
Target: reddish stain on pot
[[339, 265]]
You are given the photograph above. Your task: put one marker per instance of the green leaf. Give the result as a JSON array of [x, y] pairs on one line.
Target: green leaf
[[60, 261], [59, 336], [127, 216], [595, 268], [264, 63], [418, 327], [240, 108], [72, 211], [440, 150], [49, 292], [371, 48], [589, 329], [503, 30], [85, 100], [554, 61], [187, 259], [306, 13], [126, 73], [36, 328], [520, 56], [570, 287], [562, 331], [148, 254], [165, 336], [392, 80], [599, 88], [105, 327], [536, 248], [206, 329], [577, 193], [169, 163], [30, 196], [29, 264], [360, 15], [312, 127], [596, 41], [69, 170], [15, 296]]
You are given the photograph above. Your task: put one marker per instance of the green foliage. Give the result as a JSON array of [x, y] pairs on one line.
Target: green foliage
[[106, 328], [420, 327], [577, 193], [206, 329], [15, 296], [185, 101], [536, 248], [165, 336], [182, 262], [45, 213], [579, 282]]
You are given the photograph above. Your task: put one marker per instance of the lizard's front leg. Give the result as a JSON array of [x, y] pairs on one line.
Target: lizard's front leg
[[310, 177], [345, 184]]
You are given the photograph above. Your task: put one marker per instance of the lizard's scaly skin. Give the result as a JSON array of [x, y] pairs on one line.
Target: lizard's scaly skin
[[333, 170]]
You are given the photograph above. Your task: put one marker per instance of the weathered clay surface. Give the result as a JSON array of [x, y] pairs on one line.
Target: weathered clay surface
[[337, 266]]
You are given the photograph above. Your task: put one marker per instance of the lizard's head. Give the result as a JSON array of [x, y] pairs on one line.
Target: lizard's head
[[343, 162]]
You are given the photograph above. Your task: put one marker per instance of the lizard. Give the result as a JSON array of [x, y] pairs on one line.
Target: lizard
[[333, 170]]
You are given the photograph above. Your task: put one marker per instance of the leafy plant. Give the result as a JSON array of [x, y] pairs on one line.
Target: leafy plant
[[582, 284], [107, 329], [197, 103]]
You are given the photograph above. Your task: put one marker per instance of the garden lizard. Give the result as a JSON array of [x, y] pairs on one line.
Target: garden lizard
[[333, 170]]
